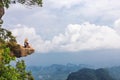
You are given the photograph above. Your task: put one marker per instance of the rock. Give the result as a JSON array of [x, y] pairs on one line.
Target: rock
[[22, 52]]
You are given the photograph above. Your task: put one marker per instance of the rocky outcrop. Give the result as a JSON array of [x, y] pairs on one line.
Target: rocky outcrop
[[20, 51]]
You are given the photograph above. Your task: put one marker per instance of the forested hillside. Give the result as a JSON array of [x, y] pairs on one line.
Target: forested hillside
[[90, 74], [55, 71]]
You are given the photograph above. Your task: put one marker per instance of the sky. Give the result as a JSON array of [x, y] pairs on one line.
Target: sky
[[68, 31]]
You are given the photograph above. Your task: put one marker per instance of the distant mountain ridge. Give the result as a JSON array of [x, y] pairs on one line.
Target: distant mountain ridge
[[62, 72], [55, 71], [90, 74]]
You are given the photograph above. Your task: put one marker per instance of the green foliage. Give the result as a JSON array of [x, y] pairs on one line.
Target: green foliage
[[90, 74], [31, 2], [6, 58], [6, 35], [6, 3], [7, 71], [8, 43], [21, 67]]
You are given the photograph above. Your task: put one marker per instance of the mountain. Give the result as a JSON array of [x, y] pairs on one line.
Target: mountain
[[55, 71], [66, 72], [115, 72], [90, 74]]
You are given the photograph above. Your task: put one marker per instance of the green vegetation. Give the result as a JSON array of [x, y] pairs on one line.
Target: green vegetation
[[6, 3], [8, 43], [90, 74], [7, 71]]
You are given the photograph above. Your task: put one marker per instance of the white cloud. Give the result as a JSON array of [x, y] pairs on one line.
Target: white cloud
[[63, 12], [117, 25], [76, 37], [21, 32], [89, 36]]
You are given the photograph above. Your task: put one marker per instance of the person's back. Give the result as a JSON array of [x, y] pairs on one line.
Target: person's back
[[26, 44]]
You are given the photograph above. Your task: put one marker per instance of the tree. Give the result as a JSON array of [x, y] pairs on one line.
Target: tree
[[7, 43], [6, 3], [7, 71]]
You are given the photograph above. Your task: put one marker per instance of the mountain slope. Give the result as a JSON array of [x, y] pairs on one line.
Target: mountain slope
[[115, 72], [55, 71], [90, 74]]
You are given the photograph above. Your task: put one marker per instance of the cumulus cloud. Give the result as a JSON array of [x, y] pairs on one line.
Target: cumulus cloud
[[76, 37], [117, 25], [88, 36], [62, 12], [21, 32]]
